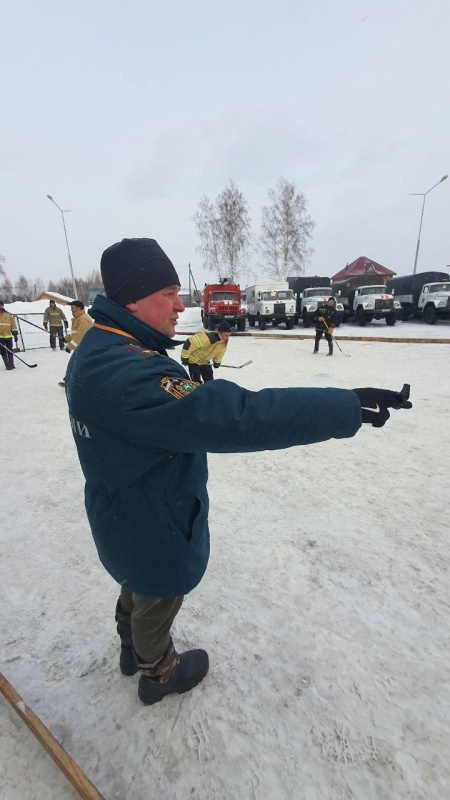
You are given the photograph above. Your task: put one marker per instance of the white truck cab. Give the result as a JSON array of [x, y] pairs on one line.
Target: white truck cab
[[434, 302], [373, 302], [309, 300], [270, 302]]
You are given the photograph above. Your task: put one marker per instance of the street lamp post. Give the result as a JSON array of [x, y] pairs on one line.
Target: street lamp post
[[424, 195], [75, 293]]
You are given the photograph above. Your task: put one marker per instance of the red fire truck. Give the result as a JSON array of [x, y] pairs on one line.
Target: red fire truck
[[222, 301]]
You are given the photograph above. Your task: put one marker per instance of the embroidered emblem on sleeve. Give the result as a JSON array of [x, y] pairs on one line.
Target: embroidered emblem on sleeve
[[178, 387]]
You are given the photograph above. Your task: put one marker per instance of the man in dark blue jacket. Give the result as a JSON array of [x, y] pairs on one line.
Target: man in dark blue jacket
[[142, 431]]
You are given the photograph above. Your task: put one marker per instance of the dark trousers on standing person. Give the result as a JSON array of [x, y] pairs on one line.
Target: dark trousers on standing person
[[200, 373], [8, 358], [151, 619], [56, 331], [329, 339]]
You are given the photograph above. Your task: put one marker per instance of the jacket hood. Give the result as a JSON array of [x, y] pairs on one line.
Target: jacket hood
[[107, 312]]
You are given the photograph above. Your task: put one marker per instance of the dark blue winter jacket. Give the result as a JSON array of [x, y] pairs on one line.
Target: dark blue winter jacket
[[142, 431]]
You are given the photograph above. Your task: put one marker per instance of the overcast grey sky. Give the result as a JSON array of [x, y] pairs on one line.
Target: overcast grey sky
[[127, 113]]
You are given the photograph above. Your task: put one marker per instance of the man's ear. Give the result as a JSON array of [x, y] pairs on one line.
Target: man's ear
[[131, 307]]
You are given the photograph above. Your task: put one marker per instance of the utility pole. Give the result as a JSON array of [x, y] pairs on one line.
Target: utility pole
[[424, 195], [66, 211]]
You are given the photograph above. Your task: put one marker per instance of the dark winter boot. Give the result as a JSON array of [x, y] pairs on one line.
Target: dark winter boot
[[316, 350], [172, 673], [330, 349], [127, 660]]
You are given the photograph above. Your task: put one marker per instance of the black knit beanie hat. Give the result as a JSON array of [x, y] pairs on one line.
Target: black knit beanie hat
[[224, 327], [135, 268]]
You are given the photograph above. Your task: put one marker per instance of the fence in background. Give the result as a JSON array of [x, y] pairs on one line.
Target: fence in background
[[30, 338]]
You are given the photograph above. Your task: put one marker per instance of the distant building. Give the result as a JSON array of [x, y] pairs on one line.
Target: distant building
[[193, 299], [60, 299], [364, 267], [93, 294]]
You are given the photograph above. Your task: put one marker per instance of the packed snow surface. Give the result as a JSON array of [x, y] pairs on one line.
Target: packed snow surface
[[324, 608]]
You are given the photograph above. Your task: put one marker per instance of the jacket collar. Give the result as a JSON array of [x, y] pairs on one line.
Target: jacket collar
[[107, 312]]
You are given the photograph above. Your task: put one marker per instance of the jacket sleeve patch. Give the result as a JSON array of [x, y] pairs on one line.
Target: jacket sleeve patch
[[178, 387]]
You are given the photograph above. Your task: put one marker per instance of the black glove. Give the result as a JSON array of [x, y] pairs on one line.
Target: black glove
[[46, 326], [216, 366], [66, 325], [15, 334], [185, 362], [380, 400], [68, 350]]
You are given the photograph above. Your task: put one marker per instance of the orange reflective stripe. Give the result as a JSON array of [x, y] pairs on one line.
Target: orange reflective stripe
[[115, 330]]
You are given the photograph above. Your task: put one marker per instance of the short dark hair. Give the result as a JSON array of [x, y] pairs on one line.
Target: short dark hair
[[77, 304]]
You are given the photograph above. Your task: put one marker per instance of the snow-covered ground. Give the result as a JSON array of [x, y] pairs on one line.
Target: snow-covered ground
[[324, 609]]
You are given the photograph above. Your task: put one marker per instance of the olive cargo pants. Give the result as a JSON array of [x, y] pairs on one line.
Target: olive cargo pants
[[151, 621]]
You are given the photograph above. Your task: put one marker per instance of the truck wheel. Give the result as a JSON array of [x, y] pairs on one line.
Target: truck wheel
[[361, 317], [430, 315], [241, 324], [391, 319], [306, 321], [404, 315], [262, 323], [289, 324], [251, 320]]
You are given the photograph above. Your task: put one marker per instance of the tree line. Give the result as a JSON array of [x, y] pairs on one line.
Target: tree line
[[27, 290], [227, 246]]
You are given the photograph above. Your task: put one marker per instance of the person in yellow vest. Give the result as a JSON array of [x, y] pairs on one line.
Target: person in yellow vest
[[55, 317], [203, 347], [81, 322], [8, 330]]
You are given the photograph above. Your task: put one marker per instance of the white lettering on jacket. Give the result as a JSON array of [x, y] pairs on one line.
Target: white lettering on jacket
[[79, 428]]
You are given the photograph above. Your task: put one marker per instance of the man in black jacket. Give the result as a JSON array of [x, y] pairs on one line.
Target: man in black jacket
[[325, 321]]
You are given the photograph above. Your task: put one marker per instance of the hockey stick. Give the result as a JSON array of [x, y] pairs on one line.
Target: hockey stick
[[44, 330], [347, 355], [232, 366], [15, 356], [66, 764]]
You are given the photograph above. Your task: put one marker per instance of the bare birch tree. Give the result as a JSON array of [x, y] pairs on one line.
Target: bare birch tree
[[235, 228], [286, 229], [208, 228], [23, 289], [224, 231]]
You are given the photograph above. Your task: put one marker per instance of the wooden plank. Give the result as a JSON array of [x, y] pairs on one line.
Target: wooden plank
[[66, 764], [339, 338]]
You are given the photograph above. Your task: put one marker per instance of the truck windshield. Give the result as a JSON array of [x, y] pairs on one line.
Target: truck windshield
[[373, 290], [282, 294], [231, 296], [440, 287], [321, 291]]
